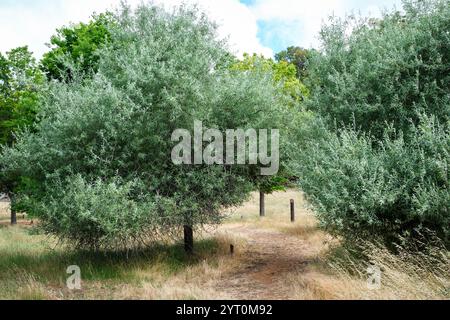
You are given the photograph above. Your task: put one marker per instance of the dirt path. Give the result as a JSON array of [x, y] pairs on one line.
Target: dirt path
[[267, 257]]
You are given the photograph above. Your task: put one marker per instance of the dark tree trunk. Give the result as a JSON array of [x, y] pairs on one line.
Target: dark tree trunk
[[262, 209], [188, 239], [13, 210], [292, 211]]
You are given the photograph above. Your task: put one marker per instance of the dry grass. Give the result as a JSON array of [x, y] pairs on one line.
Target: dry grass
[[195, 281], [403, 277], [5, 215], [278, 214], [4, 210], [33, 268]]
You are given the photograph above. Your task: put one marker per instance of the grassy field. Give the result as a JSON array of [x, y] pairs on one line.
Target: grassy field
[[274, 259]]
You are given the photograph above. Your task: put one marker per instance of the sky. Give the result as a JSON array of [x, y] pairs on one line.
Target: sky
[[254, 26]]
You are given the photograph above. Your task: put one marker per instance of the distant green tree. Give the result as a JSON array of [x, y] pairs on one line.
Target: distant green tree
[[78, 45], [20, 84], [282, 72], [298, 57]]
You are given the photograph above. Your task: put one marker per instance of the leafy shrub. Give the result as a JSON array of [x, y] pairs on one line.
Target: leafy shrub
[[373, 157], [367, 188], [101, 212]]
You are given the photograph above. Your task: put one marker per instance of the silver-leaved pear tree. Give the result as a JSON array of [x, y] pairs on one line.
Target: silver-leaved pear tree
[[97, 169]]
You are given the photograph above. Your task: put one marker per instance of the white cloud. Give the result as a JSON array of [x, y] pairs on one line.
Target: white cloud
[[236, 22], [294, 9], [298, 22], [33, 23]]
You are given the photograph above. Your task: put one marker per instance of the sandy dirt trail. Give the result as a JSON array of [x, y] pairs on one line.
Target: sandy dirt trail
[[267, 257]]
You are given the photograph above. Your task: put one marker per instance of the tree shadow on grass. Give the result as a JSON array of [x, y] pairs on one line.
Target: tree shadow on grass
[[49, 265]]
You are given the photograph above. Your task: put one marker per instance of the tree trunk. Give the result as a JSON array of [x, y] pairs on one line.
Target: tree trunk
[[188, 239], [262, 209], [13, 210]]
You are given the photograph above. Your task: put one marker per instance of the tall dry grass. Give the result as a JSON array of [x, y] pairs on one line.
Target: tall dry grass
[[406, 275]]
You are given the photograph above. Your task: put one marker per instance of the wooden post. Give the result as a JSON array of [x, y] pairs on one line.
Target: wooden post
[[231, 249], [262, 209], [188, 239], [292, 210], [13, 211], [13, 217]]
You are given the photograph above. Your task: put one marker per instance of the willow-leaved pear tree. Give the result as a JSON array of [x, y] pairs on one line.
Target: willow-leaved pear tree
[[389, 79], [99, 168]]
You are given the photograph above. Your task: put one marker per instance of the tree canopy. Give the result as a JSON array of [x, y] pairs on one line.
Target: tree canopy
[[20, 85], [385, 72], [76, 44], [283, 74], [298, 57]]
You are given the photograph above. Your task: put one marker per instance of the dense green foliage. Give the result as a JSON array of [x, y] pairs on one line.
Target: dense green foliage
[[284, 77], [99, 171], [76, 45], [385, 72], [298, 57], [282, 72], [375, 161], [20, 84], [364, 187]]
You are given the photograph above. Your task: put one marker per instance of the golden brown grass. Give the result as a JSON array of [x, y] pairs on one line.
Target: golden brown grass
[[33, 268], [403, 277], [5, 215], [278, 214], [4, 210]]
